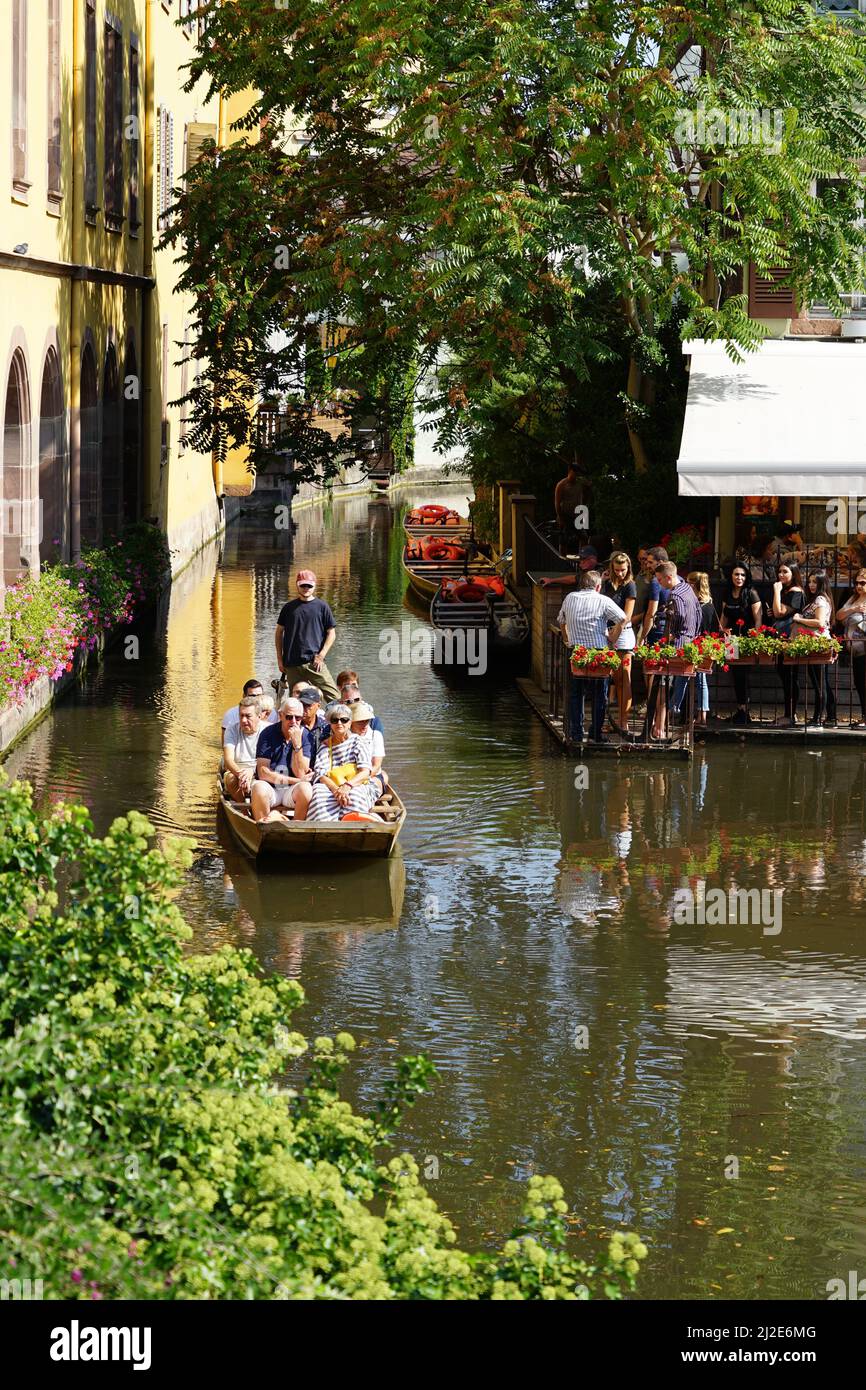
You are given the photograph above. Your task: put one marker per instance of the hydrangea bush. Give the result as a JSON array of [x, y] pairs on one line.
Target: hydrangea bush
[[67, 608], [151, 1145]]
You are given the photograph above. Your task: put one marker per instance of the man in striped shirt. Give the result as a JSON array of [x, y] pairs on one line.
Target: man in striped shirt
[[583, 621]]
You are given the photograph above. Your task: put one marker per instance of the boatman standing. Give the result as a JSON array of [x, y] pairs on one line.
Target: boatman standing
[[304, 635]]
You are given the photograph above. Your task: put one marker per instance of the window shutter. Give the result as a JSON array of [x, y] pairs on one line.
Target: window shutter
[[196, 134], [158, 179], [169, 139], [769, 298]]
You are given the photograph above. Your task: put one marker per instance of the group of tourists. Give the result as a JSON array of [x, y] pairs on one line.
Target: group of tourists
[[318, 755], [614, 607]]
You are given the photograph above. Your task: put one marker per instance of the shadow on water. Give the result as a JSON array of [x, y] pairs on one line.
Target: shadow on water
[[703, 1082]]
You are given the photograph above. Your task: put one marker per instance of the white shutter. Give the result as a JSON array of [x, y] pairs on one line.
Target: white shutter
[[170, 161], [157, 182], [196, 134]]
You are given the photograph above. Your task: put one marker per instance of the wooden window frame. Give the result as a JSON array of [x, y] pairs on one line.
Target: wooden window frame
[[54, 141], [91, 148], [134, 171], [112, 106], [21, 184]]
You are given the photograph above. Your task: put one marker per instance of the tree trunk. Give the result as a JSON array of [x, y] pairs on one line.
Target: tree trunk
[[637, 389]]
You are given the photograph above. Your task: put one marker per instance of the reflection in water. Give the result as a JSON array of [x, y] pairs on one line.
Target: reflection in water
[[518, 911]]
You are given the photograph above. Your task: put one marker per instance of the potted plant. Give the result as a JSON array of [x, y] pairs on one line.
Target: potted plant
[[811, 650], [763, 644], [711, 649], [590, 663], [664, 659]]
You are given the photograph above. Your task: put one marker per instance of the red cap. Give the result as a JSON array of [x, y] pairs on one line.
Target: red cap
[[306, 577]]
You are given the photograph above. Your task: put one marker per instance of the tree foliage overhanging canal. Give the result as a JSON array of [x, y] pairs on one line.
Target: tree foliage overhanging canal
[[149, 1147], [510, 202]]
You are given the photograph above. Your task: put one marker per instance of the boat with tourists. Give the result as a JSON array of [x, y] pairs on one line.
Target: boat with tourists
[[287, 837]]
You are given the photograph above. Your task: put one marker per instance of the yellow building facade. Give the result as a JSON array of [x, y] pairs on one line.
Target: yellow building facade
[[95, 133]]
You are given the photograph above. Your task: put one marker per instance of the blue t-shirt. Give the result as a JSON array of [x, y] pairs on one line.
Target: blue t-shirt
[[276, 749], [656, 594], [376, 723], [304, 623]]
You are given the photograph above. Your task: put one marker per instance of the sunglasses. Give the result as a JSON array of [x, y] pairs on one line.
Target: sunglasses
[[860, 583], [340, 719], [355, 700], [361, 721], [292, 718], [306, 586]]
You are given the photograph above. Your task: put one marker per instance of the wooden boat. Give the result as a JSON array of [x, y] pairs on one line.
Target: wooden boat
[[310, 838], [425, 575], [499, 615], [436, 521], [369, 894]]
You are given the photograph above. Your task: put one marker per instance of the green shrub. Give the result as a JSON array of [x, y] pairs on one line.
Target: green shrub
[[150, 1148]]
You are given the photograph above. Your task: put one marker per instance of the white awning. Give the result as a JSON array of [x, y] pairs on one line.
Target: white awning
[[789, 421]]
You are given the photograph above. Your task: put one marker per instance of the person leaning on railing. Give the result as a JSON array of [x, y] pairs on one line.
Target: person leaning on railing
[[853, 617]]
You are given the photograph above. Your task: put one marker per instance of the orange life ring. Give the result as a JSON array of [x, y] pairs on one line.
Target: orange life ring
[[441, 550], [470, 593]]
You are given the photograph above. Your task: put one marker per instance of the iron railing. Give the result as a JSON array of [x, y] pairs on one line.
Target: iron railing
[[840, 701]]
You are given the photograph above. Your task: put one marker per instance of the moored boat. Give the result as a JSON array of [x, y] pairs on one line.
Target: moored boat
[[427, 570], [309, 838], [481, 603], [434, 519]]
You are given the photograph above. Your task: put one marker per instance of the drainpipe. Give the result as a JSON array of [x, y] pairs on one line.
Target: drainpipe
[[148, 492], [76, 292]]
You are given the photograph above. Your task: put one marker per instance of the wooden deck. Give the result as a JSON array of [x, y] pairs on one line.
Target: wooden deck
[[618, 749]]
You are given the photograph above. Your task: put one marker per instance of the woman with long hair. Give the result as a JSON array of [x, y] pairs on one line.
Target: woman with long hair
[[788, 600], [817, 619], [741, 610], [853, 615], [620, 586]]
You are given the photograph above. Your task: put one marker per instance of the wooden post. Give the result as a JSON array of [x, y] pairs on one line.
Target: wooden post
[[522, 505], [507, 487]]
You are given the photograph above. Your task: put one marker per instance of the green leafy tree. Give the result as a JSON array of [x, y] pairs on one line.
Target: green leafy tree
[[151, 1144], [520, 198]]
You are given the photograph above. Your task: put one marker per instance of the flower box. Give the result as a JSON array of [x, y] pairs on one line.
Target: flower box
[[669, 666], [741, 661], [594, 663], [591, 673], [811, 659]]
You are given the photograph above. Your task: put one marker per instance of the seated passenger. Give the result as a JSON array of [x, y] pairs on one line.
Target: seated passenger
[[254, 688], [281, 779], [363, 719], [311, 699], [267, 714], [239, 749], [350, 694], [335, 796]]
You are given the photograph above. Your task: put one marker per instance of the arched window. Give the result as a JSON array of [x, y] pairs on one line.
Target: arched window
[[53, 482], [89, 413], [112, 463], [14, 531], [131, 438]]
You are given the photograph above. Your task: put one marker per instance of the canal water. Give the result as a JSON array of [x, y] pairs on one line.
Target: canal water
[[702, 1083]]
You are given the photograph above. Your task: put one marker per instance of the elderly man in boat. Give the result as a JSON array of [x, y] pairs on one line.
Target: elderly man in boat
[[240, 743], [282, 770], [343, 787]]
